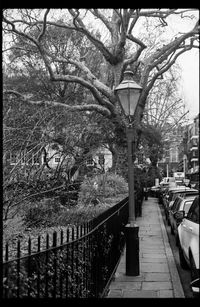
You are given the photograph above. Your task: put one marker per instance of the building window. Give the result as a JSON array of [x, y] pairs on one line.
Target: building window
[[194, 142], [173, 154], [14, 158], [36, 159], [90, 161], [101, 159], [194, 154], [23, 157]]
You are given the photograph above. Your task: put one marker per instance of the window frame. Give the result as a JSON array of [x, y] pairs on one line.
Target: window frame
[[190, 214], [57, 158]]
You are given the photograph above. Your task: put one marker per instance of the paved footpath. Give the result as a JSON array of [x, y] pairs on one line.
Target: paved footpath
[[158, 273]]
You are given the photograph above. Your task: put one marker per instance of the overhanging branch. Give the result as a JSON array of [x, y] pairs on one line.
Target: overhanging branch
[[85, 107]]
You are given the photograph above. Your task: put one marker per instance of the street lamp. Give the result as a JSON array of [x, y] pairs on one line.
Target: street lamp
[[128, 93]]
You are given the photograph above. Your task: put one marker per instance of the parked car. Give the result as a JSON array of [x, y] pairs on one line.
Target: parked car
[[180, 183], [173, 194], [188, 236], [167, 180], [179, 204], [161, 194], [168, 197], [153, 191]]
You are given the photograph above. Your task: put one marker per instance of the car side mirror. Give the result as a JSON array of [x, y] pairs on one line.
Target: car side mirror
[[179, 215]]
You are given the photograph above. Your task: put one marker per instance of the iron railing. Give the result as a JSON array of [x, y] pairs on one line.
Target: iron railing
[[80, 263]]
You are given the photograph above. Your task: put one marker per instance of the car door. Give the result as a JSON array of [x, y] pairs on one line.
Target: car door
[[173, 209], [189, 225], [186, 205]]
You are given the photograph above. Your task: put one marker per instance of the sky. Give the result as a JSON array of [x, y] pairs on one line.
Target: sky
[[189, 63]]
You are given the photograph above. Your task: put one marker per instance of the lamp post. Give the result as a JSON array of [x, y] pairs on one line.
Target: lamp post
[[128, 93]]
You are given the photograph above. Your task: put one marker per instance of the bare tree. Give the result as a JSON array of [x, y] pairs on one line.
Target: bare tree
[[119, 25]]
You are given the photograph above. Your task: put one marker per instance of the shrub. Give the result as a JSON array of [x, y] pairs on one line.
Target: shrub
[[100, 187], [43, 212]]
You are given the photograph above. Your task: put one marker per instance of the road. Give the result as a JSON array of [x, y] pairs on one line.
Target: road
[[183, 274]]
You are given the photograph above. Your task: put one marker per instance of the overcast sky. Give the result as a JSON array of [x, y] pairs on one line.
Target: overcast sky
[[189, 63]]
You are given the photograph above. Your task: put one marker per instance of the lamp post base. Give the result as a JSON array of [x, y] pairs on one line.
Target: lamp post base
[[132, 250]]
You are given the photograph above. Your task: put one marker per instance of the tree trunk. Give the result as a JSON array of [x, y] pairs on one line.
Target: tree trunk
[[120, 162]]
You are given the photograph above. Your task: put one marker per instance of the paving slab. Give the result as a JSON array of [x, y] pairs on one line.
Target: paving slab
[[131, 285], [156, 285], [153, 255], [154, 267], [115, 293], [158, 276], [123, 277], [139, 294], [152, 260]]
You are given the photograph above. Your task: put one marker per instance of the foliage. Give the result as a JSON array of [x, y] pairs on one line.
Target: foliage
[[59, 269], [41, 213], [58, 62], [99, 187], [77, 268], [153, 173]]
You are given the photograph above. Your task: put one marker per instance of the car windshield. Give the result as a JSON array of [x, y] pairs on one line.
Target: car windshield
[[176, 204], [187, 205], [183, 193], [175, 195]]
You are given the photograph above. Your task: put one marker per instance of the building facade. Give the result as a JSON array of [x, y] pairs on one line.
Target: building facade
[[170, 160], [189, 153]]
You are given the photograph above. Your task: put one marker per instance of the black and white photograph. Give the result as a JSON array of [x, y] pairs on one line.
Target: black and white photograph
[[100, 153]]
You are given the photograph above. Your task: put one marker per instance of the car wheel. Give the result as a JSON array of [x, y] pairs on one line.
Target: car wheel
[[183, 262], [193, 269]]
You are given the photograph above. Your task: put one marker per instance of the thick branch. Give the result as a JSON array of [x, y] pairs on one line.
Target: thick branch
[[134, 20], [79, 26], [96, 13], [166, 67], [162, 54], [105, 90], [86, 107], [161, 13], [44, 26], [32, 39], [136, 40]]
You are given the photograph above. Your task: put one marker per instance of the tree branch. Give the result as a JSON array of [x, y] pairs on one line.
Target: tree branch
[[105, 90], [166, 67], [32, 39], [44, 26], [84, 107], [135, 18], [96, 13], [98, 44]]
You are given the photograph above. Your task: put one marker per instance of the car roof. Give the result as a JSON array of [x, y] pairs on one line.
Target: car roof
[[179, 188], [190, 197], [185, 191]]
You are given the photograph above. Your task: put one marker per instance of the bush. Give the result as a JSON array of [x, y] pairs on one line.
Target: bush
[[43, 212], [100, 187]]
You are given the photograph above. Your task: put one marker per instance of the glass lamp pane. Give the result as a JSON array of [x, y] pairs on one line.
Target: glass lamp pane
[[134, 97], [123, 95]]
